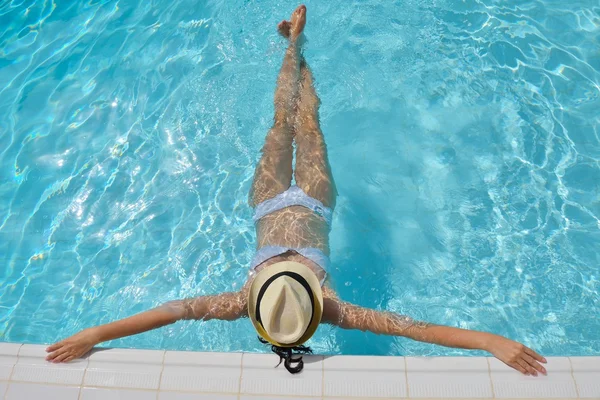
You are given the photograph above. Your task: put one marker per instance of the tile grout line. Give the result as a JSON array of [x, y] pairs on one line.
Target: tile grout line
[[5, 390], [12, 370], [406, 377], [125, 388], [487, 360], [83, 377], [239, 392], [117, 387], [161, 373], [573, 377], [233, 394]]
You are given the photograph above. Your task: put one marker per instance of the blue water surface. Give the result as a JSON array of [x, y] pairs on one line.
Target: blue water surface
[[464, 136]]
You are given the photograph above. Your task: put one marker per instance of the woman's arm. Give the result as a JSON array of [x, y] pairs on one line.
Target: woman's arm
[[226, 306], [349, 316]]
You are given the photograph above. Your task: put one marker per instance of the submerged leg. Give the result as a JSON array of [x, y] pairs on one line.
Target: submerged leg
[[313, 172], [273, 174]]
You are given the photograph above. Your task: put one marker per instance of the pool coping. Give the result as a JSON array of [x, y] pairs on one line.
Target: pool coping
[[110, 373]]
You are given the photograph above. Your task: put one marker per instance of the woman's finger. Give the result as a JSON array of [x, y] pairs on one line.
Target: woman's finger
[[62, 357], [529, 360], [527, 367], [53, 347], [52, 355], [523, 365], [519, 368], [70, 358], [57, 353], [534, 355]]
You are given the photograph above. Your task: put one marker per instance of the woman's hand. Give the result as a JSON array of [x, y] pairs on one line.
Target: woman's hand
[[516, 355], [82, 342], [72, 347]]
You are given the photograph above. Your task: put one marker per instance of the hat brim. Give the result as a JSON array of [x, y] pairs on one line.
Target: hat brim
[[313, 283]]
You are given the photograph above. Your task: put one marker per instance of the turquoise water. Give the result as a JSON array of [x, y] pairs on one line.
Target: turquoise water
[[464, 137]]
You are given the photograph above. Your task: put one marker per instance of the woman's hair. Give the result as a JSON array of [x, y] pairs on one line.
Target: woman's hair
[[286, 354]]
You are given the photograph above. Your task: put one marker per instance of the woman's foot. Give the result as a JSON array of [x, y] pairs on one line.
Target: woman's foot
[[293, 28]]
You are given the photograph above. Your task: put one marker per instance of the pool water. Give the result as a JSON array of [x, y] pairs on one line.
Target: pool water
[[464, 136]]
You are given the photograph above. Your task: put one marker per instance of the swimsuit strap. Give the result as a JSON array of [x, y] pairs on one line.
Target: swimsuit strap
[[294, 196], [313, 254]]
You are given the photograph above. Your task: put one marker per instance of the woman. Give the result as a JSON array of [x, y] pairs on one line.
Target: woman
[[284, 295]]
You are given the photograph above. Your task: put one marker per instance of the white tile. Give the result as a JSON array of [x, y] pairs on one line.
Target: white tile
[[448, 377], [123, 375], [198, 396], [33, 351], [33, 367], [586, 371], [364, 376], [280, 398], [128, 355], [259, 376], [125, 368], [116, 394], [29, 391], [359, 398], [354, 363], [509, 383], [199, 358], [8, 358], [6, 366], [202, 372], [3, 387], [9, 349]]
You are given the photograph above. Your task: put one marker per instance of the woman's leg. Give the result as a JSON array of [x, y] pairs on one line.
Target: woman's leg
[[273, 173], [313, 173]]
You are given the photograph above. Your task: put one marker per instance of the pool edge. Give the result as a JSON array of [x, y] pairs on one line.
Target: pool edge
[[173, 375]]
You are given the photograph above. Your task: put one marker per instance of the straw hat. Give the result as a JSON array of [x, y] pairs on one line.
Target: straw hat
[[285, 303]]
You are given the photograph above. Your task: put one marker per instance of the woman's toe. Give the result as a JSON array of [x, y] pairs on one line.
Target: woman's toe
[[284, 28]]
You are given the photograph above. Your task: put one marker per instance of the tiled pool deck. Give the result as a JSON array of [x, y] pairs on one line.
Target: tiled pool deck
[[170, 375]]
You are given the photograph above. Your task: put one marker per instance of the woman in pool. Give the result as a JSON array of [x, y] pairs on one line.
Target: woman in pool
[[284, 296]]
